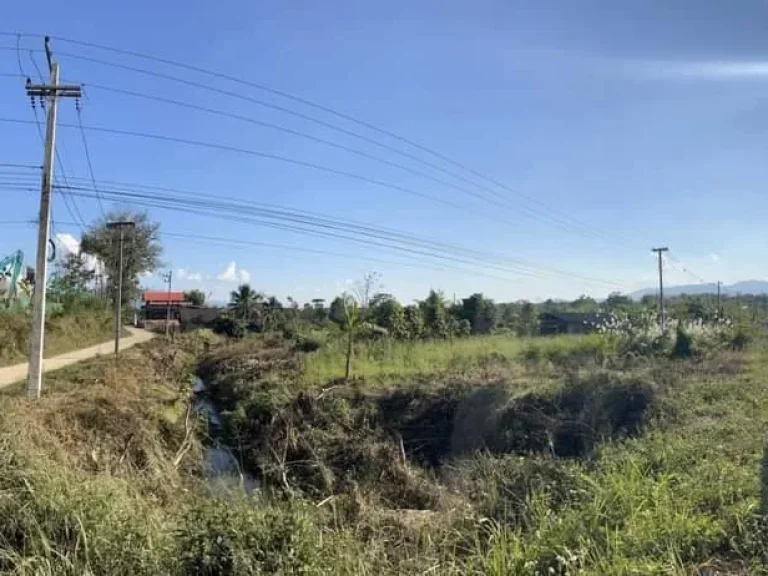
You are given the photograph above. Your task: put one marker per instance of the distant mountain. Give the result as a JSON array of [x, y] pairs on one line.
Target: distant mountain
[[743, 287]]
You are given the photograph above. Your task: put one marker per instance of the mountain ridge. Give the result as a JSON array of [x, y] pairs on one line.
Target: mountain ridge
[[741, 287]]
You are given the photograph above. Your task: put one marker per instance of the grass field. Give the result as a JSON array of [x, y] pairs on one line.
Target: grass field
[[64, 332], [483, 456], [397, 359]]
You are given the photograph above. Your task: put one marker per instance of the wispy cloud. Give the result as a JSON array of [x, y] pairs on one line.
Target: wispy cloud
[[715, 257], [706, 69]]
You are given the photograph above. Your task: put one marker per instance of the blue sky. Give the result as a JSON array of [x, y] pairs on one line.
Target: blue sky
[[644, 120]]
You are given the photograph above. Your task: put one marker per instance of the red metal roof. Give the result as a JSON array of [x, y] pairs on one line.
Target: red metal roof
[[161, 296]]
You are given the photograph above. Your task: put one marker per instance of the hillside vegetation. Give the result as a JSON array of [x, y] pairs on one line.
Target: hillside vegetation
[[75, 326]]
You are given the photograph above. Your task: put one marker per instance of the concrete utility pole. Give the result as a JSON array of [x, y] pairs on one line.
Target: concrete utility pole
[[121, 225], [169, 278], [49, 93], [660, 251]]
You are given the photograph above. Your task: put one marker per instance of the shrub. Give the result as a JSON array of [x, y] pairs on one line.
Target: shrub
[[683, 347], [229, 327]]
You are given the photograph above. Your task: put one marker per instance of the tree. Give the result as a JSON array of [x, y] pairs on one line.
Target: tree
[[195, 297], [617, 302], [336, 312], [414, 322], [365, 289], [388, 313], [141, 250], [351, 319], [272, 310], [244, 302], [433, 310], [480, 312], [527, 320], [75, 275]]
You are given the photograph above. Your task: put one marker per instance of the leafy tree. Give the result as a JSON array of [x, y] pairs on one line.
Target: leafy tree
[[74, 274], [195, 297], [141, 250], [389, 314], [272, 309], [414, 322], [584, 304], [480, 312], [244, 302], [617, 302], [434, 313], [527, 320], [336, 312]]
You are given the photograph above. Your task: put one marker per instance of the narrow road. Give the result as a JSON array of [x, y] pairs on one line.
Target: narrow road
[[17, 372]]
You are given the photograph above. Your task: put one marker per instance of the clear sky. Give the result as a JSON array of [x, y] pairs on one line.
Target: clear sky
[[644, 120]]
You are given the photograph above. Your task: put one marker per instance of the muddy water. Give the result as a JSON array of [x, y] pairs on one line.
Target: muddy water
[[221, 466]]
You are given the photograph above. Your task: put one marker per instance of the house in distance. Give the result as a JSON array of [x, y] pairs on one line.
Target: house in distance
[[553, 323], [155, 305]]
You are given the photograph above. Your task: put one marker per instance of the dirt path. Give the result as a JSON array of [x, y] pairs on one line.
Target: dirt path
[[17, 372]]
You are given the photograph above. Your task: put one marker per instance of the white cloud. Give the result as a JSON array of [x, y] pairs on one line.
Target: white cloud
[[189, 275], [68, 244], [234, 274], [715, 257]]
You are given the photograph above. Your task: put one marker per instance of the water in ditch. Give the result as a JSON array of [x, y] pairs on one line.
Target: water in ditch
[[222, 468]]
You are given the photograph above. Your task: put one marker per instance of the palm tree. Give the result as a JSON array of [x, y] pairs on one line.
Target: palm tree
[[245, 301]]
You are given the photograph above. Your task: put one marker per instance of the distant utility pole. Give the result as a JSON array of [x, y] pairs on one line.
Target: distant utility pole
[[121, 225], [660, 251], [168, 278], [719, 311], [49, 93]]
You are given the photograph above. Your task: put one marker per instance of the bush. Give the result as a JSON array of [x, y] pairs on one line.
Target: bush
[[229, 327], [683, 347]]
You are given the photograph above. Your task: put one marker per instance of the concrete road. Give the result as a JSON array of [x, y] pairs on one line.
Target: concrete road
[[17, 372]]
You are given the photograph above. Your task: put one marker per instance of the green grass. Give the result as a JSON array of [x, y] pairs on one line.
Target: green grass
[[680, 493], [64, 332], [393, 359]]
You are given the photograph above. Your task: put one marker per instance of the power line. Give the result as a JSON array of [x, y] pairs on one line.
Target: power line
[[349, 149], [23, 166], [306, 102], [88, 158], [262, 208], [232, 211], [684, 269], [561, 218], [73, 210], [238, 206]]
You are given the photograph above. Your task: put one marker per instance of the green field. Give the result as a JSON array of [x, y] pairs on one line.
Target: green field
[[490, 455]]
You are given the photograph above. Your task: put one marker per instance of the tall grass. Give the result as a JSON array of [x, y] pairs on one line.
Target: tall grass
[[396, 359], [70, 329], [681, 495]]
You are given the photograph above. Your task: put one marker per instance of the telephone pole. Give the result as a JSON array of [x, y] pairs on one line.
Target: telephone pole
[[120, 225], [719, 311], [660, 251], [168, 278], [49, 93]]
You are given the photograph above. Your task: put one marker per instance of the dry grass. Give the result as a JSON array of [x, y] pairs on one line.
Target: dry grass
[[64, 333]]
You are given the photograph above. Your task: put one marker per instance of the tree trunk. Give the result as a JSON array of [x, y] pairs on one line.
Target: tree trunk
[[349, 354]]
